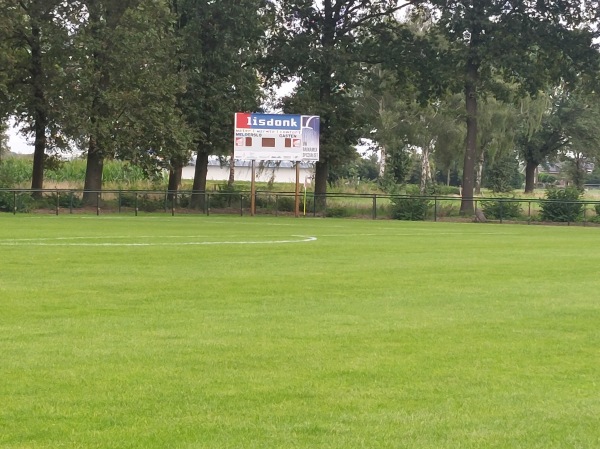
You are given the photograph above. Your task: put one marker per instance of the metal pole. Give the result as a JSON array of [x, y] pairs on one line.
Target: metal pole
[[253, 190], [15, 202], [57, 201], [136, 204], [97, 203], [297, 193]]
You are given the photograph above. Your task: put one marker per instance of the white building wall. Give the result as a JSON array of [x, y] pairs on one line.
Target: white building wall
[[244, 173]]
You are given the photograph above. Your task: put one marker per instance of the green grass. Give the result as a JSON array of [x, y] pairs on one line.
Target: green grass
[[375, 335]]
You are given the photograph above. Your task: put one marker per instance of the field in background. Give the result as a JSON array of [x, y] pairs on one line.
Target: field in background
[[229, 332]]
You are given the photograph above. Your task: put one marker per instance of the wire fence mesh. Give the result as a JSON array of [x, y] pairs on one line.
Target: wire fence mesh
[[333, 205]]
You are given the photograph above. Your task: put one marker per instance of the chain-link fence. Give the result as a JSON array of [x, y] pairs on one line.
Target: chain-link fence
[[367, 206]]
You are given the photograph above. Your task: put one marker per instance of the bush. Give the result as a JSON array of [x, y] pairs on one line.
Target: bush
[[412, 208], [562, 205], [440, 189], [501, 208], [65, 200], [448, 210], [145, 202], [338, 212], [15, 171], [546, 178], [225, 196], [7, 202], [286, 204]]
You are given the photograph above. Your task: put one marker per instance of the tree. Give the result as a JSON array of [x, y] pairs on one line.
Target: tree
[[496, 137], [321, 45], [37, 37], [220, 41], [124, 84], [3, 139], [7, 56], [503, 174], [568, 125], [529, 42]]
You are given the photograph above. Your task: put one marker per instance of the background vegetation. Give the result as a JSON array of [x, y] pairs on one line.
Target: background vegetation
[[471, 94]]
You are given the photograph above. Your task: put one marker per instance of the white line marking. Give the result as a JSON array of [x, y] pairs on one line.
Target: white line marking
[[46, 242]]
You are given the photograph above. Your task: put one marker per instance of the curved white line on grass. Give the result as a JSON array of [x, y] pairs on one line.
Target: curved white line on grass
[[416, 234], [46, 242]]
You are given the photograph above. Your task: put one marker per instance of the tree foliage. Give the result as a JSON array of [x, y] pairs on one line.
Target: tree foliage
[[321, 45], [220, 46], [527, 42], [568, 126]]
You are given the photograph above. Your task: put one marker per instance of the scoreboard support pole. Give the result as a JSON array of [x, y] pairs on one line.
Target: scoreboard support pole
[[253, 190], [297, 194]]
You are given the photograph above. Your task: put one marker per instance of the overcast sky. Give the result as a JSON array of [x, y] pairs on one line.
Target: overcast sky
[[18, 144]]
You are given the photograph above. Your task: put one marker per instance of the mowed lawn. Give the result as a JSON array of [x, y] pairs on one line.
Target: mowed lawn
[[228, 332]]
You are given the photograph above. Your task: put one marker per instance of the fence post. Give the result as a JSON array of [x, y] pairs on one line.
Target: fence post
[[136, 204], [71, 202], [276, 205], [97, 203], [173, 199], [435, 206], [207, 203], [15, 202], [241, 205], [529, 212], [501, 210], [57, 201], [119, 201]]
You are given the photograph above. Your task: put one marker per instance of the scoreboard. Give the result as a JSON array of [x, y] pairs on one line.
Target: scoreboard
[[276, 137]]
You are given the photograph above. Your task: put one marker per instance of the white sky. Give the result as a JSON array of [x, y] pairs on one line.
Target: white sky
[[17, 143]]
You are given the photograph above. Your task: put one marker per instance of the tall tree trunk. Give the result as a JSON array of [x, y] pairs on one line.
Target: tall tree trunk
[[175, 174], [40, 116], [93, 173], [479, 175], [425, 170], [328, 43], [472, 72], [382, 160], [231, 178], [382, 154], [530, 169], [199, 185]]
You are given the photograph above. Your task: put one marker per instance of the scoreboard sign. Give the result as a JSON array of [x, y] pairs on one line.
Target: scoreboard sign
[[276, 137]]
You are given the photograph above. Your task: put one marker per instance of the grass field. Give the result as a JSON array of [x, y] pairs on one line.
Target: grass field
[[229, 332]]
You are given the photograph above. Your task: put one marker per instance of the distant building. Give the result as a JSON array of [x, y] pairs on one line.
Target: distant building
[[280, 171]]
